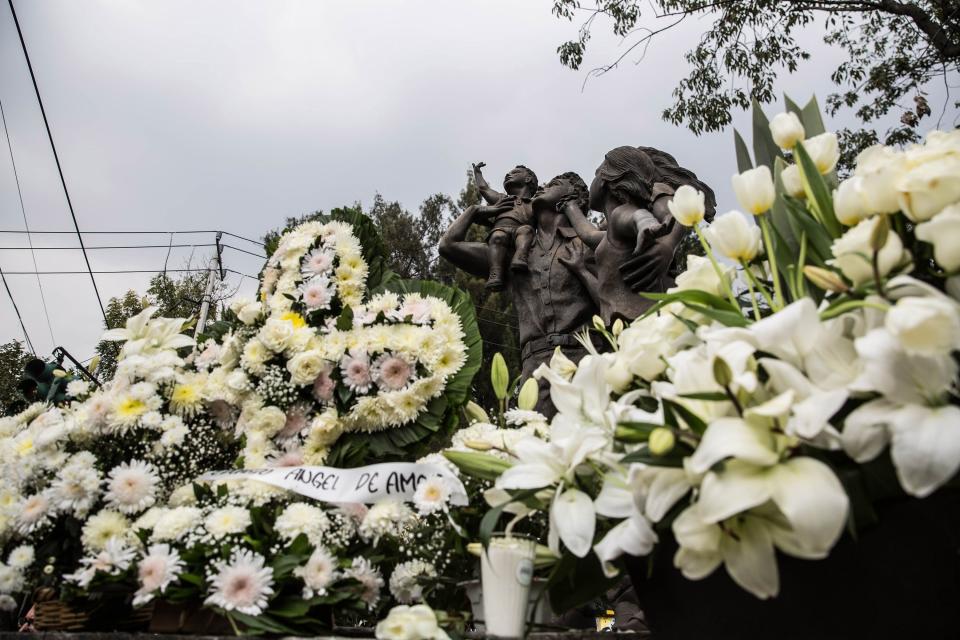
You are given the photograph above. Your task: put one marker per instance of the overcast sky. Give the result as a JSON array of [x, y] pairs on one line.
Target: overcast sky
[[183, 115]]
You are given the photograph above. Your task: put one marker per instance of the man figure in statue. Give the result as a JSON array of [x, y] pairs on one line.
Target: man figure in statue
[[551, 299], [511, 226]]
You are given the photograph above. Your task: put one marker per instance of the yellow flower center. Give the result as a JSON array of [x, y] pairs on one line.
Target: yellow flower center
[[294, 318], [131, 407]]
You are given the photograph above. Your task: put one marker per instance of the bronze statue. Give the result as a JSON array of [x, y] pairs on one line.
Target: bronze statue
[[551, 299], [632, 188], [511, 225]]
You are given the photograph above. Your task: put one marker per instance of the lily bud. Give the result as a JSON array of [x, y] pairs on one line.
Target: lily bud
[[475, 548], [59, 373], [617, 327], [722, 372], [792, 184], [529, 393], [754, 189], [478, 445], [475, 412], [825, 279], [687, 205], [824, 150], [499, 376], [598, 324], [787, 130], [661, 441]]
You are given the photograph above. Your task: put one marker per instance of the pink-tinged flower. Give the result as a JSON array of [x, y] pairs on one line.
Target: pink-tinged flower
[[270, 277], [418, 309], [355, 368], [317, 292], [323, 386], [319, 261], [291, 458], [161, 566], [243, 584], [392, 372], [296, 420], [369, 578], [356, 511]]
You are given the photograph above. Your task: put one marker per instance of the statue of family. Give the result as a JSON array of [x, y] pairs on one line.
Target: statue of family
[[558, 267]]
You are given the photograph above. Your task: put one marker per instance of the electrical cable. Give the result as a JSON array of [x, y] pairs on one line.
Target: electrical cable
[[92, 233], [19, 317], [23, 210], [56, 157], [92, 248], [116, 271]]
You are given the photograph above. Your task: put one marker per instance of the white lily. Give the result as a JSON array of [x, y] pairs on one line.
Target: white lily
[[623, 497], [133, 333], [543, 464]]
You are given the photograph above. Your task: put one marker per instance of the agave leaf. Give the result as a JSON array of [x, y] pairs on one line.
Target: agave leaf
[[744, 163]]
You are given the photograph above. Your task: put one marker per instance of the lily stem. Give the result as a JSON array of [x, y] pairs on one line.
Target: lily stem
[[772, 258], [753, 297], [716, 267]]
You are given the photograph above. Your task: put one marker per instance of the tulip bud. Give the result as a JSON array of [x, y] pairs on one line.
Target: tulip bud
[[849, 203], [824, 150], [825, 279], [880, 233], [499, 376], [59, 373], [792, 184], [734, 236], [687, 205], [754, 190], [722, 372], [787, 130], [617, 327], [598, 324], [661, 441], [529, 393]]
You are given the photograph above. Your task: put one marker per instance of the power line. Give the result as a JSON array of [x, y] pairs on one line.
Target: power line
[[23, 210], [15, 308], [116, 271], [92, 248], [56, 157], [131, 233]]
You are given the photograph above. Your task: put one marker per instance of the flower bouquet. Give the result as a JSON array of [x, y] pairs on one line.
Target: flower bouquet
[[788, 411]]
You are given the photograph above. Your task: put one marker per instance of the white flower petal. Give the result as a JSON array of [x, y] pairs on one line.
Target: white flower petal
[[633, 536], [732, 437], [738, 488], [696, 565], [573, 517], [667, 487], [926, 447], [865, 432], [751, 560], [810, 496]]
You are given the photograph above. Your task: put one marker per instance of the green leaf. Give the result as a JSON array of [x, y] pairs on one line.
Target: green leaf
[[345, 321], [695, 422], [819, 198], [818, 240], [478, 465], [695, 296], [743, 154], [489, 522], [728, 318], [575, 581], [765, 150], [812, 119], [709, 396], [794, 107], [644, 456], [780, 217]]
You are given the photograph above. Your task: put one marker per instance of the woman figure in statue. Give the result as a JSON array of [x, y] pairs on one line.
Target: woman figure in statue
[[633, 253]]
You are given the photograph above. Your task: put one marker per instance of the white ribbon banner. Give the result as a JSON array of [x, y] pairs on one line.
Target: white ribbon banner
[[370, 484]]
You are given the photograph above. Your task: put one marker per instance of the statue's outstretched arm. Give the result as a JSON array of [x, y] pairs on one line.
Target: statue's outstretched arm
[[472, 257], [590, 235], [491, 195]]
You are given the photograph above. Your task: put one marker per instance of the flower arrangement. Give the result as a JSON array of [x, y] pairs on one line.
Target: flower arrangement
[[75, 477], [755, 408], [321, 370]]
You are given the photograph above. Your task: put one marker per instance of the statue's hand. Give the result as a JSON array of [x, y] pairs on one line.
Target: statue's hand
[[478, 165], [645, 271]]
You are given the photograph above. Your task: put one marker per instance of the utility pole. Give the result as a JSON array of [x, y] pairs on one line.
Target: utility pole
[[212, 273]]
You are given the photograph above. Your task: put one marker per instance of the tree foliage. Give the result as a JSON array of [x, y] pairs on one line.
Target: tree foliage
[[174, 298], [893, 49], [13, 357]]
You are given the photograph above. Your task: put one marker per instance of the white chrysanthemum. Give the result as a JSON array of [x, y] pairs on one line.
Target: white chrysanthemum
[[33, 513], [149, 518], [318, 574], [132, 486], [126, 411], [255, 356], [21, 557], [78, 388], [243, 584], [11, 580], [114, 558], [161, 566], [103, 526], [355, 369], [174, 437], [432, 495], [405, 581], [76, 488], [369, 577], [186, 397], [183, 496], [226, 521], [386, 518], [175, 523], [7, 603], [304, 518]]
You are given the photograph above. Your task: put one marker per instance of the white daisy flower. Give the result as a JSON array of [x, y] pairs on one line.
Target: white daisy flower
[[101, 527], [175, 522], [369, 576], [161, 566], [132, 486], [405, 581], [226, 521], [304, 518], [386, 518], [432, 495], [243, 584], [33, 513], [21, 557], [318, 574]]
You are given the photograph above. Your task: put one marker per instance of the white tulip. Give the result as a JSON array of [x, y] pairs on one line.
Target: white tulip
[[687, 205], [754, 189], [787, 130], [925, 325], [880, 167], [927, 189], [733, 236], [792, 184], [849, 202], [824, 150], [943, 232], [854, 257], [701, 275]]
